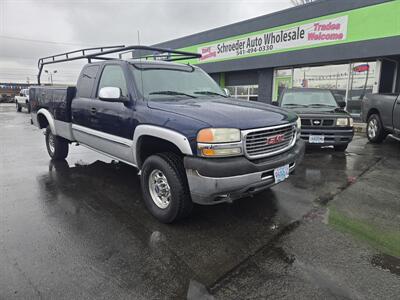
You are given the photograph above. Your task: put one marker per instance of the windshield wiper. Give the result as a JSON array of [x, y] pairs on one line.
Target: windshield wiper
[[294, 105], [320, 105], [210, 93], [172, 93]]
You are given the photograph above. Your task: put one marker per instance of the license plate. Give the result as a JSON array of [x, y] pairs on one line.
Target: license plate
[[316, 139], [281, 173]]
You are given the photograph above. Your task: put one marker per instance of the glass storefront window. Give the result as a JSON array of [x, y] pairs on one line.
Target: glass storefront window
[[333, 77], [362, 81], [244, 92], [283, 79]]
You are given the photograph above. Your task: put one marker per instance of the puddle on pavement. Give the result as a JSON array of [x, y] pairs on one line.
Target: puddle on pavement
[[387, 262]]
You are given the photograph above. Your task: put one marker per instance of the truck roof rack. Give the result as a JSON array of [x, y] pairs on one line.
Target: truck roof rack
[[99, 52]]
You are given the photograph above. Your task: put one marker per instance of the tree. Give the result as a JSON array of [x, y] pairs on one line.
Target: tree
[[300, 2]]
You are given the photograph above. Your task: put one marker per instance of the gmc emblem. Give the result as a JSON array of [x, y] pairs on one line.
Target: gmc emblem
[[275, 139]]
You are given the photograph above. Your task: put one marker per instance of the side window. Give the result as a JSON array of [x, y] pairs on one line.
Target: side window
[[113, 76], [86, 81]]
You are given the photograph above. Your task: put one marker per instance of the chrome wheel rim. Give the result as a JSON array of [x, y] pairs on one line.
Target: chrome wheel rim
[[372, 128], [159, 188], [51, 142]]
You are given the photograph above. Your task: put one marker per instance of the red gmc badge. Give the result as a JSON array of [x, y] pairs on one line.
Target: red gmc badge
[[275, 139]]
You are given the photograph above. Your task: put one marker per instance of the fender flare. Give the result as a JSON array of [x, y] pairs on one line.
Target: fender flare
[[176, 138], [49, 118]]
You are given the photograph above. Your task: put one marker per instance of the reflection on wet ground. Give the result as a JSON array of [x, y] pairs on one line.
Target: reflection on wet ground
[[78, 228]]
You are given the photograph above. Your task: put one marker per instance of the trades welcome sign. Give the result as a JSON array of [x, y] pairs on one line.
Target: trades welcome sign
[[329, 30]]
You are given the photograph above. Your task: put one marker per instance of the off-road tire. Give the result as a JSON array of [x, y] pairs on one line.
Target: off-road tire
[[180, 205], [380, 132], [59, 150], [19, 108]]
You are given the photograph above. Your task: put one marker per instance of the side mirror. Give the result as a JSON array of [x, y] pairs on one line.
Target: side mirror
[[275, 103], [340, 100], [342, 104], [227, 92], [112, 94]]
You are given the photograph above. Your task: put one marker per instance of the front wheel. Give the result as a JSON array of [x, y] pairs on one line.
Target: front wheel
[[57, 147], [19, 108], [164, 187], [375, 131]]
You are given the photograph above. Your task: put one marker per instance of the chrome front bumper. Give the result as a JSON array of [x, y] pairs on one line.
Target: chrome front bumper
[[214, 190]]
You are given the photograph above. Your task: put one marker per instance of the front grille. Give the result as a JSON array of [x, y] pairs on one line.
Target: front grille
[[328, 122], [317, 122], [257, 141]]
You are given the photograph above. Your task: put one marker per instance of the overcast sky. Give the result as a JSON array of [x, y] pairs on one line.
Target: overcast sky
[[30, 29]]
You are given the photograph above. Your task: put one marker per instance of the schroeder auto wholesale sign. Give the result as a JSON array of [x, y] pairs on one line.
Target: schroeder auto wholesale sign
[[329, 30]]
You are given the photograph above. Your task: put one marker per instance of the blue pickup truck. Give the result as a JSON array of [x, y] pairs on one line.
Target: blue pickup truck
[[190, 142]]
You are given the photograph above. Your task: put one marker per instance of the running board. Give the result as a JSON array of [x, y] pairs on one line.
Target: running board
[[397, 138]]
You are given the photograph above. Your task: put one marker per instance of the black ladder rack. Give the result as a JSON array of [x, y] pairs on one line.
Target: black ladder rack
[[99, 52]]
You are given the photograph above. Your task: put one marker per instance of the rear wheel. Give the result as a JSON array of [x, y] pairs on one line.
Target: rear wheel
[[57, 147], [164, 187], [375, 131]]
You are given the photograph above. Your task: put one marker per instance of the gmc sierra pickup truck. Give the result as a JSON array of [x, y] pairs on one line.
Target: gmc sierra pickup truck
[[381, 112], [188, 139], [324, 121]]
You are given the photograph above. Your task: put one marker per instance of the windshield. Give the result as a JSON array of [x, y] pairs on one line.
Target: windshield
[[162, 84], [306, 98]]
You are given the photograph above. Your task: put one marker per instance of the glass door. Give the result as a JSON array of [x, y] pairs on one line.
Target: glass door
[[362, 81]]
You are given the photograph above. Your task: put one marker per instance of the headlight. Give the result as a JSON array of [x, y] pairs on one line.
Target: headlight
[[219, 142], [298, 128], [342, 122], [212, 151], [298, 123], [218, 135]]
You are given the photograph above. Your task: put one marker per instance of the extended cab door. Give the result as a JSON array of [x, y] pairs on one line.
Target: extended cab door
[[82, 103], [112, 123]]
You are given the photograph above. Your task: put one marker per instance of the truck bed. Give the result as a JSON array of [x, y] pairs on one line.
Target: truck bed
[[57, 100]]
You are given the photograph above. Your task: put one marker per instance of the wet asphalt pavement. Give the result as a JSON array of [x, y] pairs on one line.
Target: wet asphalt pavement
[[78, 229]]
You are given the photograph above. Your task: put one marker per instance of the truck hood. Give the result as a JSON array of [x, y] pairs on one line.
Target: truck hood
[[320, 112], [226, 112]]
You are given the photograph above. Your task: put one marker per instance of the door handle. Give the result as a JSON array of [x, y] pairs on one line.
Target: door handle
[[93, 111]]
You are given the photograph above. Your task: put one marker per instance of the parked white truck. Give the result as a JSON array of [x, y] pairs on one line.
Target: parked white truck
[[22, 100]]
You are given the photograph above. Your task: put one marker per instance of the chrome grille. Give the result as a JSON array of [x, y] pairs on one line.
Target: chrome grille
[[256, 144]]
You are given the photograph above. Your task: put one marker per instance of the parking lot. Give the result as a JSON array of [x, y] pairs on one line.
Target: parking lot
[[79, 229]]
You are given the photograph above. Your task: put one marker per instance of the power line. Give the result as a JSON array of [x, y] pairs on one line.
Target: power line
[[41, 41]]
